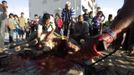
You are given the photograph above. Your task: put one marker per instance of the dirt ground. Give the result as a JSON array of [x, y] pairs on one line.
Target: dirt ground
[[117, 64]]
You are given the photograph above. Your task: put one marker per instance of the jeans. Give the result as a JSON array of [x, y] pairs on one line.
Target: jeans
[[2, 33]]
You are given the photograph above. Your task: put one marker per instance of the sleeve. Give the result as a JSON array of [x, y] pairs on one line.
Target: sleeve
[[39, 29], [73, 13], [25, 21], [86, 29], [75, 29], [63, 14], [52, 21]]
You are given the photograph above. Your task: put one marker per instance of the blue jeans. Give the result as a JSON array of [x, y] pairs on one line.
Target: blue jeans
[[11, 35]]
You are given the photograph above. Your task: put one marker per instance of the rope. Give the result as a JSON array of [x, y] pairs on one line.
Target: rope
[[103, 57], [91, 65]]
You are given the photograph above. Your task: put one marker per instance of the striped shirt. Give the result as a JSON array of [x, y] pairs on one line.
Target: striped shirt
[[67, 15]]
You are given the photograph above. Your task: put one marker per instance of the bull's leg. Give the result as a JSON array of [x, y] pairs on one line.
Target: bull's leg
[[42, 37], [73, 47]]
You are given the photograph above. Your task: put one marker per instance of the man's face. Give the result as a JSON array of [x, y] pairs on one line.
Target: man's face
[[86, 11], [67, 6], [47, 22], [22, 14], [98, 9], [91, 14], [36, 17], [110, 18], [80, 19], [5, 4], [11, 16]]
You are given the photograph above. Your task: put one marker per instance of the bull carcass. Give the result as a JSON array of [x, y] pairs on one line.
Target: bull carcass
[[64, 58]]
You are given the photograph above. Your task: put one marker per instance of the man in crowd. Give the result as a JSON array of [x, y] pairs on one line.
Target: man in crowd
[[11, 27], [108, 22], [22, 23], [97, 23], [86, 16], [81, 29], [67, 16], [34, 23], [3, 16], [46, 30]]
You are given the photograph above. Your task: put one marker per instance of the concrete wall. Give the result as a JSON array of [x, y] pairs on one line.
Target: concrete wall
[[51, 6]]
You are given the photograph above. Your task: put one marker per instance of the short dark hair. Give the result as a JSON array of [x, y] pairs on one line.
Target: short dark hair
[[46, 16], [15, 15], [91, 12], [99, 12], [85, 10], [11, 14], [110, 15], [35, 14], [80, 16], [22, 12], [4, 1], [98, 7], [57, 14]]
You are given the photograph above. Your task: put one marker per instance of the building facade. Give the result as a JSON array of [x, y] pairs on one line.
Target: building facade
[[55, 6]]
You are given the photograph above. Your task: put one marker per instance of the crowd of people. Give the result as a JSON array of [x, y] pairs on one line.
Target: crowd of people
[[44, 29], [65, 24], [78, 28], [16, 27]]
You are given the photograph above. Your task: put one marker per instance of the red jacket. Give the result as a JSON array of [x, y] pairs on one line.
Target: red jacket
[[59, 23]]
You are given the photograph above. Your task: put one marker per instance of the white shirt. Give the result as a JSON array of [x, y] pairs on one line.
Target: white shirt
[[40, 27]]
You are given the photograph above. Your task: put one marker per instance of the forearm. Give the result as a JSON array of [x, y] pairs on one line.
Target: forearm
[[50, 33], [124, 18], [39, 34], [122, 21]]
